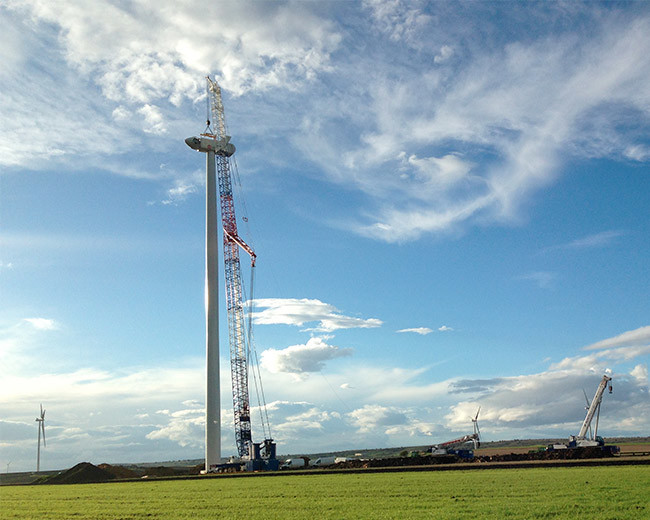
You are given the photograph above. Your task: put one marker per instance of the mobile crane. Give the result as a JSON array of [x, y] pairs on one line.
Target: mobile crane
[[454, 447], [594, 440]]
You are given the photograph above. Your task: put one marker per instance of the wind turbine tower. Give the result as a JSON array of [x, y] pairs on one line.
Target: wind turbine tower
[[41, 428], [218, 149], [212, 145]]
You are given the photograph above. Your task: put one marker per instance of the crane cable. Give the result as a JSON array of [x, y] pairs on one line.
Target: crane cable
[[257, 376], [252, 358]]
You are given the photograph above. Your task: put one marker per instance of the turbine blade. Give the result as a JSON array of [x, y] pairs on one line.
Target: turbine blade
[[43, 428], [477, 412]]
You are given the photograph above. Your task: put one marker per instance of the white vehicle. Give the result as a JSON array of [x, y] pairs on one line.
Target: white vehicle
[[324, 461], [340, 459], [293, 463]]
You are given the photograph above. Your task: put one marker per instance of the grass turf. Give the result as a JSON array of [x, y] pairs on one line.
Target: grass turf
[[617, 492]]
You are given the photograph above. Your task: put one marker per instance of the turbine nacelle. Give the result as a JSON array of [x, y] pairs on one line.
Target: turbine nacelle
[[209, 144]]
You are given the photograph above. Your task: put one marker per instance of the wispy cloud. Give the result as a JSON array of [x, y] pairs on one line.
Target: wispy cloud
[[596, 240], [461, 134], [293, 311], [423, 331], [513, 113], [42, 323], [401, 21], [631, 338], [543, 279]]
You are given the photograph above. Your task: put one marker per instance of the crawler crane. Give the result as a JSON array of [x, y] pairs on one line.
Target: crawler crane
[[594, 440], [216, 144]]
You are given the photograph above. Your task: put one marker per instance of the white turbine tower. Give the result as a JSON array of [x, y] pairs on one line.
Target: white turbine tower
[[41, 428], [477, 433], [212, 145]]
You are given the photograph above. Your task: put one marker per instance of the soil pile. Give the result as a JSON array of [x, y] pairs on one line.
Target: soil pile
[[82, 473], [120, 471], [570, 454], [397, 461]]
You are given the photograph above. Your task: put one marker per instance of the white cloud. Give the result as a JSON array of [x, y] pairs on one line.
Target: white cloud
[[399, 20], [440, 173], [423, 331], [184, 427], [146, 53], [375, 417], [551, 401], [444, 328], [121, 113], [98, 65], [634, 337], [21, 340], [445, 53], [300, 359], [437, 144], [156, 413], [640, 372], [520, 110], [153, 119], [293, 311], [637, 152], [179, 193], [601, 239], [601, 360], [42, 323], [413, 429], [293, 422]]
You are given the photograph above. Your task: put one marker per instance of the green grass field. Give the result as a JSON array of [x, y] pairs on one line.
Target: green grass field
[[608, 493]]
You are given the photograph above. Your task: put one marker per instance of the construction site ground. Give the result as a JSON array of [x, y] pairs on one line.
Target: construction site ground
[[625, 449], [486, 458]]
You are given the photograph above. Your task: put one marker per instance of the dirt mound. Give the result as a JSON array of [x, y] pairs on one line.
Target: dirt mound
[[120, 471], [397, 461], [82, 473], [570, 454]]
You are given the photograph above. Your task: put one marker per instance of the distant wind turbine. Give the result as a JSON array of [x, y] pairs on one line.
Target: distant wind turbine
[[41, 428]]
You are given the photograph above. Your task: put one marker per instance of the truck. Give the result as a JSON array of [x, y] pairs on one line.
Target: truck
[[593, 440], [324, 461], [293, 464]]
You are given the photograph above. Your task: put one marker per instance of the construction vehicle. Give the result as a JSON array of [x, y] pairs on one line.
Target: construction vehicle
[[454, 447], [293, 464], [593, 440], [324, 461]]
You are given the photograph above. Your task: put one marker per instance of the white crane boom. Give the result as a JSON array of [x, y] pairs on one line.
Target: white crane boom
[[474, 438], [594, 406]]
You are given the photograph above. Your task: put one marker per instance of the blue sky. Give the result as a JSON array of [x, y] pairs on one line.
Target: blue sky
[[449, 204]]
